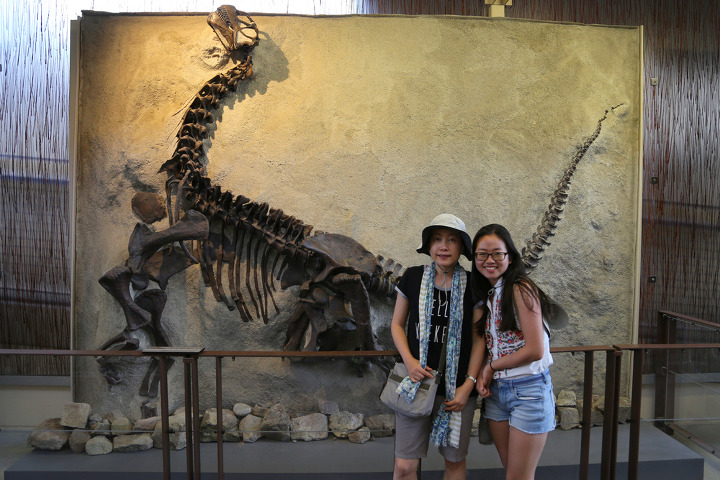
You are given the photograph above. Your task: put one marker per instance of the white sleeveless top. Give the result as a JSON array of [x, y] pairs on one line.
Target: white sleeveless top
[[502, 343]]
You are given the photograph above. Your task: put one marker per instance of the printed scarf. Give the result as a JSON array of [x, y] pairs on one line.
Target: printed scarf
[[446, 428]]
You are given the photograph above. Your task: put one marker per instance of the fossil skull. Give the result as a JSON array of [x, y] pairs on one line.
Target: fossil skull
[[235, 29]]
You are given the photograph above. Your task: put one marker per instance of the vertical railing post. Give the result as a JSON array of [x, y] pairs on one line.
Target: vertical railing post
[[162, 366], [665, 379], [634, 448], [189, 430], [660, 375], [196, 416], [615, 411], [607, 467], [586, 416], [192, 406], [220, 416], [672, 367]]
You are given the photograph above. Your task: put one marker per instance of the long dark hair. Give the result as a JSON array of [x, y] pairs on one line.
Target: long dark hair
[[515, 275]]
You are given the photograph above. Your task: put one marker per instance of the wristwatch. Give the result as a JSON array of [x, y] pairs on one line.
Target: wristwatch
[[474, 380]]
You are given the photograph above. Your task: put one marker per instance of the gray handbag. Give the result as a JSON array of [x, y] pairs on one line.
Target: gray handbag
[[484, 435], [424, 400]]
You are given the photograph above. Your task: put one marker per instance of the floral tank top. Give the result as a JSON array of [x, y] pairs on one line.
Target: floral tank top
[[501, 343]]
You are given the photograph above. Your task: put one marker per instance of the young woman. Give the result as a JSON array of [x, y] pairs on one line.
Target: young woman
[[433, 307], [515, 380]]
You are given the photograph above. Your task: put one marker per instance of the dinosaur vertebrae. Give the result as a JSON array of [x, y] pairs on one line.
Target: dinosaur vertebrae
[[249, 219], [264, 238], [532, 253], [189, 147], [267, 241]]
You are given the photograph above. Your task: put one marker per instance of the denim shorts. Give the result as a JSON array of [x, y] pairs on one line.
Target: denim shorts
[[528, 403]]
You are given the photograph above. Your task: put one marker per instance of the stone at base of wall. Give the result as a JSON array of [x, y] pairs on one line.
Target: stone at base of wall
[[570, 411], [103, 434], [114, 432]]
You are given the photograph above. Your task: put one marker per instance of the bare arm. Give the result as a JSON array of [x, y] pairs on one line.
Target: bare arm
[[485, 374], [529, 316], [397, 328]]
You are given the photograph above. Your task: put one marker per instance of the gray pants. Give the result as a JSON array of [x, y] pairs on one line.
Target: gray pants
[[412, 434]]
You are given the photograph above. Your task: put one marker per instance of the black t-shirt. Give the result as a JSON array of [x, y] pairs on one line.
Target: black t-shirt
[[409, 285]]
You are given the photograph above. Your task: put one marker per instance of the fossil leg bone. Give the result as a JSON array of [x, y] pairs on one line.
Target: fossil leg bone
[[153, 301], [144, 242], [117, 283], [354, 290]]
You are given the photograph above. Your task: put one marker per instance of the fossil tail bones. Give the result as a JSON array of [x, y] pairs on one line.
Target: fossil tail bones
[[532, 252]]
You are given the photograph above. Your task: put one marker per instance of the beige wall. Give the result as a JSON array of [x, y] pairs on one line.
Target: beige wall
[[367, 126], [30, 400]]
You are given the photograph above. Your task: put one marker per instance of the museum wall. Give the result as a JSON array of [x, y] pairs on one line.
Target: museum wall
[[366, 126]]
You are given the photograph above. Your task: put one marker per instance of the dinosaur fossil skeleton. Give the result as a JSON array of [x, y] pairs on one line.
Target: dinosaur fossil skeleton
[[248, 245]]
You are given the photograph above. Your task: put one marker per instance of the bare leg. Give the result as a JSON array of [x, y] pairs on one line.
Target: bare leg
[[500, 432], [455, 470], [521, 466], [405, 469]]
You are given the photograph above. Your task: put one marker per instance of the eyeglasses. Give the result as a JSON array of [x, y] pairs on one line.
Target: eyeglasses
[[497, 256]]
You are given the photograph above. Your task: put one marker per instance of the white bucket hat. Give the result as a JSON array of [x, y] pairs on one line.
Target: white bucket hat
[[446, 220]]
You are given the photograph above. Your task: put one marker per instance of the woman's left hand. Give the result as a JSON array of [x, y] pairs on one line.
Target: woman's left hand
[[462, 393]]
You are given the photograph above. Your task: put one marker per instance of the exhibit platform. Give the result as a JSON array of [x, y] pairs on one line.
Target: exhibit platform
[[661, 457]]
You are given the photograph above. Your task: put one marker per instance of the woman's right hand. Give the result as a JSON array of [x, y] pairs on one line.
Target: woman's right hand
[[482, 390], [483, 384], [397, 328], [416, 372]]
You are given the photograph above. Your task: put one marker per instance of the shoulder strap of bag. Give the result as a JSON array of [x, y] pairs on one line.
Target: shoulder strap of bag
[[441, 365]]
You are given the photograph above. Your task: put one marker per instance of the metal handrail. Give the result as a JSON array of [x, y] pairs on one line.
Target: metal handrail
[[192, 401], [664, 314], [667, 333], [636, 394], [610, 421]]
